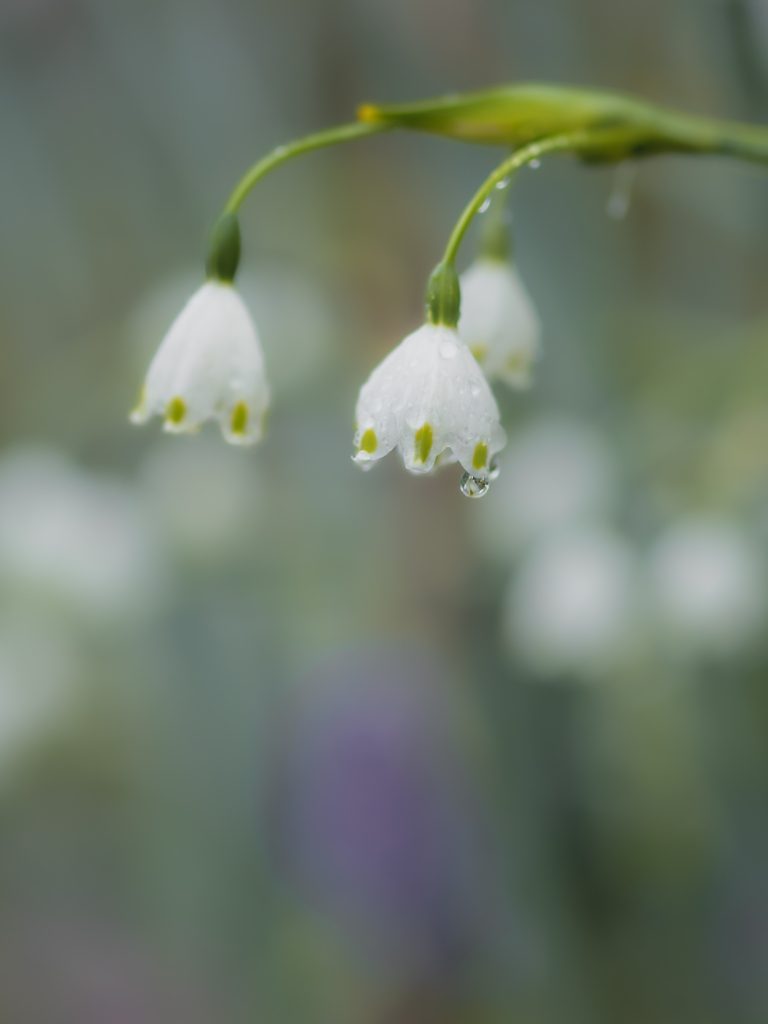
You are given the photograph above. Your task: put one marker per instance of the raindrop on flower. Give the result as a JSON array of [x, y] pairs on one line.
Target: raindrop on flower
[[494, 470], [474, 486]]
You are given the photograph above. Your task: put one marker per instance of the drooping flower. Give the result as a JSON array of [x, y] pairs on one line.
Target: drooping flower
[[498, 321], [707, 586], [571, 609], [556, 474], [209, 366], [429, 395], [77, 540]]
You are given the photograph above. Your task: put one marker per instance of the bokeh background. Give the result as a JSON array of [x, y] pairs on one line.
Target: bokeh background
[[283, 742]]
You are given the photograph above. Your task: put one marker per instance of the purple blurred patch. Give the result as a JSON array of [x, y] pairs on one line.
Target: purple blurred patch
[[373, 818]]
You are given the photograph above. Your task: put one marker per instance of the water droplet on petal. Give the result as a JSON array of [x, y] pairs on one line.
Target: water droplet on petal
[[474, 486], [485, 205], [493, 470], [447, 349]]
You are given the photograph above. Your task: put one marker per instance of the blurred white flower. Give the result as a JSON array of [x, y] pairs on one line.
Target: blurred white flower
[[203, 497], [554, 474], [498, 321], [296, 324], [429, 394], [40, 676], [707, 585], [79, 538], [571, 607], [209, 366]]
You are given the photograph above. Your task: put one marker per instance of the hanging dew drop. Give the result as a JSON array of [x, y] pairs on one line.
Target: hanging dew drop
[[474, 486], [485, 205], [503, 184], [620, 198], [493, 470]]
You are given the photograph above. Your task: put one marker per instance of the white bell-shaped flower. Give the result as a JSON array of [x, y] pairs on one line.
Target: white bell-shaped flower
[[210, 366], [427, 396], [498, 321], [707, 585], [572, 606]]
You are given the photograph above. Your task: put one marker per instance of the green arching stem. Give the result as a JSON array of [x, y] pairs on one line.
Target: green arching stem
[[617, 127], [513, 163], [598, 127], [612, 128], [331, 137]]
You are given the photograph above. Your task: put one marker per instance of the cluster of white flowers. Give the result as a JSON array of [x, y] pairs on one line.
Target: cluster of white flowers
[[81, 565], [430, 397], [584, 600], [75, 539], [587, 603]]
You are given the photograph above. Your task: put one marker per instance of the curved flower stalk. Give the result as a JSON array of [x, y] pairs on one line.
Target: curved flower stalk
[[210, 365], [421, 398]]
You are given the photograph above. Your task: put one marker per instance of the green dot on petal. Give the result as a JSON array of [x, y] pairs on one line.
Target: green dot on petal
[[369, 442], [176, 410], [239, 418], [423, 443], [480, 457]]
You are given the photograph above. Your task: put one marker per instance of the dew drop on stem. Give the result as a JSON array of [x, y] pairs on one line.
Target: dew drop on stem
[[620, 198]]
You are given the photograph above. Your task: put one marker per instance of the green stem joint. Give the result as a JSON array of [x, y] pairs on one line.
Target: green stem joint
[[443, 300], [224, 251]]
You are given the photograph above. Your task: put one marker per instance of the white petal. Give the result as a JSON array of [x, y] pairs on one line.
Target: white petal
[[209, 366], [498, 321], [429, 395]]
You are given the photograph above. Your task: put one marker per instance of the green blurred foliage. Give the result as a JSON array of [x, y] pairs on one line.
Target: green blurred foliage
[[164, 604]]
